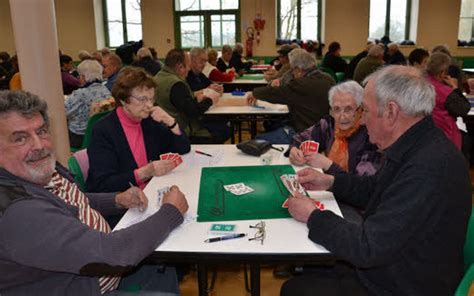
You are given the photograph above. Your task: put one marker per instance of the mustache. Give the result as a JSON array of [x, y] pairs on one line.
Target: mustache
[[38, 154]]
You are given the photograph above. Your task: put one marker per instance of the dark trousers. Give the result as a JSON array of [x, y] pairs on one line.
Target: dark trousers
[[339, 279], [75, 140]]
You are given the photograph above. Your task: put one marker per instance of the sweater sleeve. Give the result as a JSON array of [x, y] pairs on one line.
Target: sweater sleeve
[[104, 160], [183, 101], [218, 76], [38, 234]]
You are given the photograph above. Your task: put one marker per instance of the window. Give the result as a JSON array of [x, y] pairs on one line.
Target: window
[[299, 19], [392, 18], [466, 21], [206, 23], [123, 21]]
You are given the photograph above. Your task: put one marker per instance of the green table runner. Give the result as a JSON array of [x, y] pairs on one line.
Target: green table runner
[[217, 204], [251, 77]]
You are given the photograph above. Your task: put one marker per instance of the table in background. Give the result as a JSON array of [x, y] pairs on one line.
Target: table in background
[[246, 82], [286, 239], [260, 68], [235, 109]]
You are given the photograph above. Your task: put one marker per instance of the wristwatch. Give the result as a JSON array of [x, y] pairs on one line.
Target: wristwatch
[[173, 125]]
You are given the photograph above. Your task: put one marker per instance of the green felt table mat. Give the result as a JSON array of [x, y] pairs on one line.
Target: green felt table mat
[[217, 204]]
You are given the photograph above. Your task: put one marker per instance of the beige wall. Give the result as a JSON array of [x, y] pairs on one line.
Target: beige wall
[[344, 20]]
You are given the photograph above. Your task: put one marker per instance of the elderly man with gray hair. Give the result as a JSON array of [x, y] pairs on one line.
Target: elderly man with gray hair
[[146, 61], [306, 96], [78, 104], [369, 64], [416, 208]]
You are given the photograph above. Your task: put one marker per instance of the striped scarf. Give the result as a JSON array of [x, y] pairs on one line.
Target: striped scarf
[[70, 194]]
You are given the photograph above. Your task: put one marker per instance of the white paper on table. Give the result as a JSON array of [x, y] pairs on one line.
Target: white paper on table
[[193, 159], [137, 217]]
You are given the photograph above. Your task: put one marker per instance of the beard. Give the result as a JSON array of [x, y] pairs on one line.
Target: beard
[[40, 173]]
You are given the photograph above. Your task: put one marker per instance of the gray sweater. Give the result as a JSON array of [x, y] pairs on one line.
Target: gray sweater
[[46, 250]]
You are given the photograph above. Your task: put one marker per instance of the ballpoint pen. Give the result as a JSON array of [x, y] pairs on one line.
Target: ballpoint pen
[[226, 237], [259, 107], [203, 153]]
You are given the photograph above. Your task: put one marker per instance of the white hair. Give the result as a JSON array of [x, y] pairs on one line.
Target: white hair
[[300, 58], [349, 87], [143, 53], [404, 85], [376, 51], [91, 70]]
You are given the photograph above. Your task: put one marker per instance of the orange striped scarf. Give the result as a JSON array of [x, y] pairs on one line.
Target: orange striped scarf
[[339, 152], [70, 194]]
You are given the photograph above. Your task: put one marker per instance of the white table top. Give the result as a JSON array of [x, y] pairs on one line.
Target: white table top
[[230, 104], [261, 81], [469, 70], [284, 236]]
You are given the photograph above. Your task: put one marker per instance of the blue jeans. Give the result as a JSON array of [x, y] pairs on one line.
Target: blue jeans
[[281, 135], [149, 280]]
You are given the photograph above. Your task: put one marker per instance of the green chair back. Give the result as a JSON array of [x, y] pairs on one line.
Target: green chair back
[[77, 172], [329, 71], [468, 279], [90, 124]]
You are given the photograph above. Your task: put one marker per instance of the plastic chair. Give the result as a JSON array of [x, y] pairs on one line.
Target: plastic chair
[[90, 124], [78, 164], [340, 76], [468, 278]]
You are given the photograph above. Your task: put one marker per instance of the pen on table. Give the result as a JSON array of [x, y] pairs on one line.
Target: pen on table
[[203, 153], [140, 208], [226, 237], [259, 107]]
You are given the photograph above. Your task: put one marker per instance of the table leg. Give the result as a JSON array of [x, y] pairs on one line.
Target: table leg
[[202, 279], [255, 279], [253, 128], [232, 130]]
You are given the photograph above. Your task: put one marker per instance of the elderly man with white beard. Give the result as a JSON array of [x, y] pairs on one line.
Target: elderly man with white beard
[[53, 238]]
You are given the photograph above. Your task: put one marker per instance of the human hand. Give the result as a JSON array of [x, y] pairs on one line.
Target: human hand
[[176, 198], [300, 207], [160, 115], [251, 100], [311, 179], [452, 82], [317, 160], [275, 83], [132, 198], [297, 157], [160, 167], [217, 87]]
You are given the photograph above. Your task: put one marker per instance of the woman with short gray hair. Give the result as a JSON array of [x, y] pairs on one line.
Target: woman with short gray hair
[[343, 142], [78, 104]]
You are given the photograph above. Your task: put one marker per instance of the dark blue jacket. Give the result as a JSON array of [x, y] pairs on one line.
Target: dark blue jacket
[[111, 160]]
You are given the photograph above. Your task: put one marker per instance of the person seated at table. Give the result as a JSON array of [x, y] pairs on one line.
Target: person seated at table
[[176, 97], [417, 206], [70, 83], [78, 104], [343, 142], [284, 63], [236, 61], [306, 96], [196, 79], [450, 102], [370, 63], [333, 59], [54, 237], [223, 63], [145, 60], [418, 58], [213, 73], [394, 55], [126, 145], [112, 64]]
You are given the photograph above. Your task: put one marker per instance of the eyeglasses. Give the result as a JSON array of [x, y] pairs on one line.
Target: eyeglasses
[[347, 110], [143, 99], [260, 234]]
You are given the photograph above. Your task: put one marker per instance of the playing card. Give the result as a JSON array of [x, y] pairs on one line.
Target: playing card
[[285, 204], [177, 160], [242, 190], [161, 193], [292, 184], [309, 146], [235, 186]]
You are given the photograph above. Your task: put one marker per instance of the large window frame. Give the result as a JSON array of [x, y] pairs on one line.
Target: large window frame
[[124, 23], [408, 18], [466, 17], [207, 31], [298, 24]]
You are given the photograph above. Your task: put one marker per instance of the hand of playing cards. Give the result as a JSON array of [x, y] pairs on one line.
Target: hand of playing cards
[[174, 157], [293, 185], [309, 146]]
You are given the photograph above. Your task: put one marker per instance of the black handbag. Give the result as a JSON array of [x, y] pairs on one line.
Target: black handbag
[[256, 147]]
